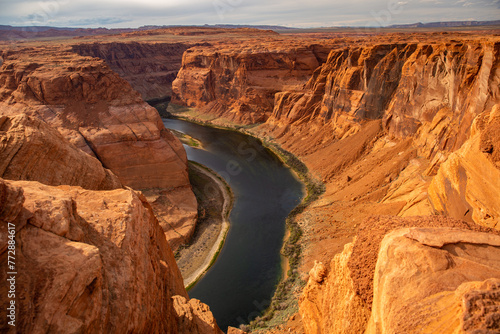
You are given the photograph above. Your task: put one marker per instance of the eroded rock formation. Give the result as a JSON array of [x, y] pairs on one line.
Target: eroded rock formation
[[238, 82], [407, 84], [32, 150], [393, 124], [99, 112], [467, 184], [398, 125], [436, 280], [92, 261], [415, 279]]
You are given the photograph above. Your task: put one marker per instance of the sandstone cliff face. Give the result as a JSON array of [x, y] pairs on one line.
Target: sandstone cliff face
[[150, 68], [329, 303], [411, 280], [96, 110], [467, 184], [92, 261], [32, 150], [101, 114], [238, 82], [427, 90], [406, 84], [427, 94]]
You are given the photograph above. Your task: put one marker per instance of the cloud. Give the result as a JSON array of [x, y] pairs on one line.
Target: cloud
[[102, 21], [134, 13]]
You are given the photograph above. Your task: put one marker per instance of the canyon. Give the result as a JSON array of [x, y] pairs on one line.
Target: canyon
[[393, 124], [403, 126]]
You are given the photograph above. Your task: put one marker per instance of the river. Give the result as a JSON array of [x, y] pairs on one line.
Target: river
[[242, 281]]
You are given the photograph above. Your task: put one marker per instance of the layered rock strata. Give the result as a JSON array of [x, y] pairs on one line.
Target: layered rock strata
[[239, 82], [397, 125], [428, 95], [467, 184], [92, 261], [408, 85], [150, 68], [98, 112], [32, 150]]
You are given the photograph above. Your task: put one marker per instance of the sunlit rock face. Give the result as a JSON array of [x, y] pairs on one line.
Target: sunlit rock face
[[92, 261], [99, 113]]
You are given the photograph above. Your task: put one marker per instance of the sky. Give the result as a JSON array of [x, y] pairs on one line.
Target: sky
[[290, 13]]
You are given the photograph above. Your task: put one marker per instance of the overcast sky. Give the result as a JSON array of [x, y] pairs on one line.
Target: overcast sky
[[292, 13]]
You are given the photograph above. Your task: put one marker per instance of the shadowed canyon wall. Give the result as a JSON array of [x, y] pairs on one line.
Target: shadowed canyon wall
[[150, 68]]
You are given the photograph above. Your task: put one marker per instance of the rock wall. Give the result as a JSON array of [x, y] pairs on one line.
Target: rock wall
[[329, 303], [436, 280], [406, 84], [100, 113], [150, 68], [92, 261], [396, 124], [238, 82], [429, 93]]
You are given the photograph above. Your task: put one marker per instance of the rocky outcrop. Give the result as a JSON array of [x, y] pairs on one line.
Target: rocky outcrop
[[238, 82], [436, 280], [92, 261], [194, 316], [416, 279], [101, 114], [150, 68], [329, 303], [32, 150], [467, 184], [426, 88], [96, 110]]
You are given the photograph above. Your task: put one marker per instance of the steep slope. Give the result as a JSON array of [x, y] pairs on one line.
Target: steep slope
[[91, 261], [408, 85], [101, 114], [150, 68], [467, 184], [376, 123], [238, 82], [426, 95]]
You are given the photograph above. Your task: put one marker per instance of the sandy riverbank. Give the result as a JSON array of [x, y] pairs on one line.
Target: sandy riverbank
[[215, 200]]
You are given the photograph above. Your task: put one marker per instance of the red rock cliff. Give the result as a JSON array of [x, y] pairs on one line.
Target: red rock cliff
[[397, 125], [101, 114], [92, 262], [238, 82], [406, 84], [32, 150], [150, 68]]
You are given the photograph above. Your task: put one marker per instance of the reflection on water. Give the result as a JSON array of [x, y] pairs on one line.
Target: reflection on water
[[242, 281]]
